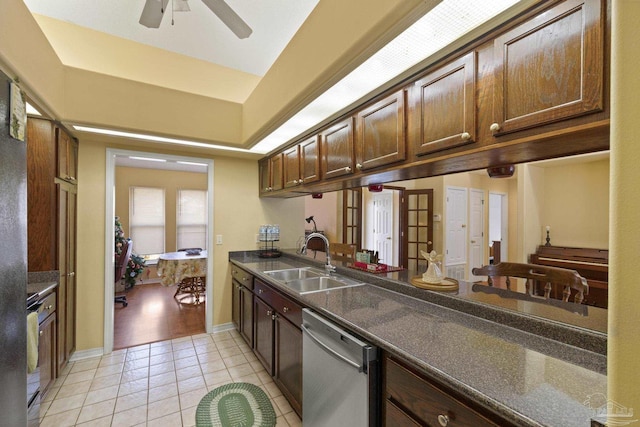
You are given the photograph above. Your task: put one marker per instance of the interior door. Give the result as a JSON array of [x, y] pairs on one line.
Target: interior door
[[476, 231], [419, 227], [456, 211], [383, 226], [352, 217]]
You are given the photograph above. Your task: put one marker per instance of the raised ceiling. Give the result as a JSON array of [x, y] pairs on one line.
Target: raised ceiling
[[197, 33]]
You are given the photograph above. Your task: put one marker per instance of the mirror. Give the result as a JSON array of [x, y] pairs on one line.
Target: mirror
[[475, 220]]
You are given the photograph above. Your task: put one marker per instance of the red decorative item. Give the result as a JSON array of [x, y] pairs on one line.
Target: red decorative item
[[376, 188], [316, 195]]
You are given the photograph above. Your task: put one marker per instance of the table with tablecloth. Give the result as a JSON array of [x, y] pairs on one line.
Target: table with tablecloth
[[186, 271]]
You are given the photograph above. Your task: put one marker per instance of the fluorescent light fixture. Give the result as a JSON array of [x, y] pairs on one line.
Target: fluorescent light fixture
[[441, 26], [149, 159], [32, 110], [155, 138], [192, 163]]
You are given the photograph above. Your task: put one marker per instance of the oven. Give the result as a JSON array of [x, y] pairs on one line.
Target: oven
[[43, 306]]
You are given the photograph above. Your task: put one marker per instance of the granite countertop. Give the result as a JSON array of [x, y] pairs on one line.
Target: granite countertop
[[527, 378]]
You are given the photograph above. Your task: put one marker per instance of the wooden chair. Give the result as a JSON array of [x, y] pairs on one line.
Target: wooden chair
[[121, 269], [569, 279], [342, 251]]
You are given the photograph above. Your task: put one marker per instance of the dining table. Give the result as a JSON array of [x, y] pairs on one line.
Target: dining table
[[185, 269]]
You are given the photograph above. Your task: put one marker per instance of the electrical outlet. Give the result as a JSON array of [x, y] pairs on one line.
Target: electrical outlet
[[218, 239]]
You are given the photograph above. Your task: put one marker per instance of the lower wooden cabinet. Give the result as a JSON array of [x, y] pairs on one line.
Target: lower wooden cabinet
[[47, 353], [288, 361], [242, 303], [411, 399], [263, 333]]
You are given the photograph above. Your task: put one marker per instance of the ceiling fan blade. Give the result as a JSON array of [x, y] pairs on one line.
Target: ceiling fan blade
[[229, 17], [153, 12]]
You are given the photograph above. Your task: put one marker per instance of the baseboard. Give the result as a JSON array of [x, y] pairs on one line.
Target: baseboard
[[223, 328], [86, 354]]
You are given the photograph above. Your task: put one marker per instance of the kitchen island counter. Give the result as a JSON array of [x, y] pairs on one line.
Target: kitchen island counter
[[526, 378]]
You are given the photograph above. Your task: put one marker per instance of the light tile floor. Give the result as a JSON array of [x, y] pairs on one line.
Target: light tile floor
[[157, 384]]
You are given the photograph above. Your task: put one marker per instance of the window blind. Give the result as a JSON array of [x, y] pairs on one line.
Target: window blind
[[147, 219], [191, 221]]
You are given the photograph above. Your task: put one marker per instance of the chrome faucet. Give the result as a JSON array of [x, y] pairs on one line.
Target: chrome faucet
[[330, 268]]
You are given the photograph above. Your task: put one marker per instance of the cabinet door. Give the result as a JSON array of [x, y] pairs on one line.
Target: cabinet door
[[288, 361], [292, 167], [66, 265], [41, 195], [380, 137], [337, 149], [263, 333], [246, 315], [235, 304], [265, 175], [550, 68], [67, 155], [277, 172], [310, 160], [47, 353], [443, 107]]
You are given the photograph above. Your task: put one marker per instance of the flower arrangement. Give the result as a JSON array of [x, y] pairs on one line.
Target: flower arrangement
[[136, 264]]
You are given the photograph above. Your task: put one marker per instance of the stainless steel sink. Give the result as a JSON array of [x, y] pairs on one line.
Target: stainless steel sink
[[315, 284], [294, 274]]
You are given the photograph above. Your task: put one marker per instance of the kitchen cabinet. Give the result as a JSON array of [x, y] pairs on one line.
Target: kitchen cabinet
[[67, 149], [380, 132], [242, 302], [278, 340], [271, 173], [549, 68], [411, 399], [443, 107], [337, 149], [310, 160], [291, 172], [47, 350]]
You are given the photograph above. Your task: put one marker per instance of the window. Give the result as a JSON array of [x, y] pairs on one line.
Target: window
[[146, 220], [191, 219]]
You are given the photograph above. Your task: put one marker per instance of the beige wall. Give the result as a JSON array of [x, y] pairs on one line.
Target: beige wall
[[326, 214], [171, 181], [238, 212]]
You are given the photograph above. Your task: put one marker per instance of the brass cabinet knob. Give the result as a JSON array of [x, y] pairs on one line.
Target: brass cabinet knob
[[50, 306], [347, 169], [443, 420], [295, 181], [359, 166], [260, 291], [465, 136], [285, 309], [269, 312], [495, 127], [301, 180], [429, 242]]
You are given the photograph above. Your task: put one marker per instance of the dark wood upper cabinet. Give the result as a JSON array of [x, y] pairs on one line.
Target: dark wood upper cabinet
[[271, 173], [550, 68], [337, 149], [310, 160], [276, 172], [443, 107], [380, 135], [292, 167], [67, 156]]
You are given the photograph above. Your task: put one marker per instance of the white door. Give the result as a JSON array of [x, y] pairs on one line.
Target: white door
[[476, 231], [498, 222], [456, 251], [383, 226]]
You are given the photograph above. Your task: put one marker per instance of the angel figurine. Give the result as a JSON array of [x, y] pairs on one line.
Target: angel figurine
[[433, 275]]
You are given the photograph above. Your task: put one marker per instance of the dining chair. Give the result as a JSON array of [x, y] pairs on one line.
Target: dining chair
[[189, 249], [342, 251], [121, 269], [532, 273]]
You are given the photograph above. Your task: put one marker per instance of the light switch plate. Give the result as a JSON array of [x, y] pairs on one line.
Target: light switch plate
[[218, 239]]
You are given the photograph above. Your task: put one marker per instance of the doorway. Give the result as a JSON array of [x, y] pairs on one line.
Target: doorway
[[498, 227], [455, 258], [476, 231], [109, 233]]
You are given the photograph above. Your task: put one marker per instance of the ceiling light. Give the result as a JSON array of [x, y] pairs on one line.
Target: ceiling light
[[150, 159], [32, 110], [444, 24], [155, 138], [192, 163]]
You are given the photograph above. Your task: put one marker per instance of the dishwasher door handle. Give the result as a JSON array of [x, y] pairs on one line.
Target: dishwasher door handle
[[332, 351]]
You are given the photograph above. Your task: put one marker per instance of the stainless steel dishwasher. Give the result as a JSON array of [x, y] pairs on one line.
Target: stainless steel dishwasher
[[339, 376]]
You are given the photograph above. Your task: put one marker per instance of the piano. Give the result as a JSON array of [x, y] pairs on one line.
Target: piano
[[592, 264]]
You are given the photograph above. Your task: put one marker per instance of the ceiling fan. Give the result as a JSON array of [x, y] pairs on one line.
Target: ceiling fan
[[154, 11]]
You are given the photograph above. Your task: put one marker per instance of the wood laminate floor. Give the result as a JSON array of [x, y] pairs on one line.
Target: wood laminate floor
[[153, 314]]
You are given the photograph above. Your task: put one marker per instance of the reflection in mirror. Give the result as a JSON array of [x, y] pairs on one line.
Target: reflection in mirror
[[475, 220]]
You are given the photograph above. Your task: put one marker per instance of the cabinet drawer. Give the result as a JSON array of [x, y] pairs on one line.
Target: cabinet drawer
[[244, 278], [425, 402], [283, 305], [48, 306]]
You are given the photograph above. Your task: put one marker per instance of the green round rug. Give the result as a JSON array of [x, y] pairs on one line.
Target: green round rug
[[235, 405]]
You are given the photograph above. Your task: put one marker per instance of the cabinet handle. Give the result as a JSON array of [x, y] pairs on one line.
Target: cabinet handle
[[269, 312], [274, 317], [443, 420], [301, 180], [429, 242], [285, 309], [347, 169], [50, 306], [358, 166], [295, 181], [234, 271], [473, 241], [495, 127], [260, 291], [41, 333], [73, 273], [244, 279], [466, 136]]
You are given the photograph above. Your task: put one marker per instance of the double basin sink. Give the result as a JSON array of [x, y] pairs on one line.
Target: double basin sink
[[305, 280]]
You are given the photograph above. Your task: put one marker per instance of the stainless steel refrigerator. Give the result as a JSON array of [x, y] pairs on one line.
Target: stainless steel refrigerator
[[13, 269]]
